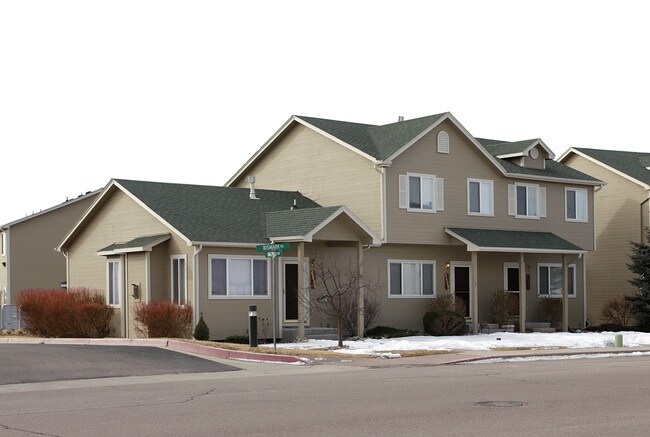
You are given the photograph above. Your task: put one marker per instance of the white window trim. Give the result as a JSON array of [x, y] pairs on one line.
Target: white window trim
[[556, 296], [481, 181], [412, 296], [117, 261], [433, 193], [171, 279], [507, 266], [527, 216], [566, 210], [229, 257], [3, 246]]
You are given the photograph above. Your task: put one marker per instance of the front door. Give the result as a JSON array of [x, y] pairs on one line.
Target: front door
[[461, 279], [290, 291]]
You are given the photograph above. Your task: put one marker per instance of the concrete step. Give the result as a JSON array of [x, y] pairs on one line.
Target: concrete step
[[534, 325], [544, 330]]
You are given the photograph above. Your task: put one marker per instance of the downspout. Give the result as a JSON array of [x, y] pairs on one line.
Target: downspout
[[67, 270], [125, 296], [8, 255], [197, 311], [641, 208], [380, 167]]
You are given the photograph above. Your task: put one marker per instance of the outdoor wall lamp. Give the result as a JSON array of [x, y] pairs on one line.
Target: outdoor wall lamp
[[136, 291]]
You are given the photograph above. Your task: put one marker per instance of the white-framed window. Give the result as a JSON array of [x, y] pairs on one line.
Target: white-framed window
[[511, 277], [549, 280], [113, 282], [575, 204], [238, 277], [179, 279], [480, 197], [443, 142], [421, 192], [411, 278], [526, 201], [3, 244]]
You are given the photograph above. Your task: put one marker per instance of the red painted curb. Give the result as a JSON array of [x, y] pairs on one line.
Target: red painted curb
[[230, 354]]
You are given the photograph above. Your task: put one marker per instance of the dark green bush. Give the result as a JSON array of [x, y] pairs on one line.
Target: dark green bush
[[201, 330], [238, 339], [389, 332]]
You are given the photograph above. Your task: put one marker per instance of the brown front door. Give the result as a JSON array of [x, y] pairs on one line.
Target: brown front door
[[290, 292]]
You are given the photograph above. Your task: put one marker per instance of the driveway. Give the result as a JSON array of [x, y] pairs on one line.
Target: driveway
[[25, 363]]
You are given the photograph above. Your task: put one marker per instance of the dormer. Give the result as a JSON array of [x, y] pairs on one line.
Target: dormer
[[528, 153]]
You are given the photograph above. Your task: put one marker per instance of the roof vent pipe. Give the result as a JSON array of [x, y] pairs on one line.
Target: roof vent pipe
[[251, 181], [295, 205], [400, 118]]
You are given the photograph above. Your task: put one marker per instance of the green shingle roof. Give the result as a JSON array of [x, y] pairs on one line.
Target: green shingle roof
[[135, 243], [204, 213], [498, 148], [297, 222], [380, 142], [632, 164], [530, 241]]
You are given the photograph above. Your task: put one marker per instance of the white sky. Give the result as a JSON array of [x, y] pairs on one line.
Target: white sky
[[186, 91]]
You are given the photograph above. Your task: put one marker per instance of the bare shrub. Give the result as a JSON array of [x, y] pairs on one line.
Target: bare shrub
[[552, 310], [163, 319], [618, 311]]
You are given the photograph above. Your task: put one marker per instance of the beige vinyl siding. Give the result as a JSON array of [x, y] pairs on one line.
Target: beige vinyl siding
[[135, 271], [466, 161], [323, 170], [618, 221], [119, 219], [34, 262]]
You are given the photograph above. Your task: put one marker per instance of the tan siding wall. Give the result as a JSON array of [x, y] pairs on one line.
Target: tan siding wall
[[408, 312], [3, 271], [617, 223], [34, 262], [135, 274], [322, 170], [120, 219], [465, 161], [340, 229]]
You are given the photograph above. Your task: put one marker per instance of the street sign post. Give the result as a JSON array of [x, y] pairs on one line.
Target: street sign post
[[273, 251]]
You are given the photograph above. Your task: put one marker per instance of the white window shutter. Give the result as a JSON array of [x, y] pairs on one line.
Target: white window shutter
[[542, 202], [440, 194], [403, 191], [443, 142], [512, 204]]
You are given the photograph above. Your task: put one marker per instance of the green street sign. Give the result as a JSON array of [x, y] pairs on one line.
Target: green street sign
[[272, 247], [273, 253]]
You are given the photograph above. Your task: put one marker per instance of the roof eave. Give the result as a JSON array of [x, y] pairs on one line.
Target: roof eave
[[554, 179], [602, 164], [471, 247]]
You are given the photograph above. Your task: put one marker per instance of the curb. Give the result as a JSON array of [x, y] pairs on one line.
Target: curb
[[176, 345], [564, 352]]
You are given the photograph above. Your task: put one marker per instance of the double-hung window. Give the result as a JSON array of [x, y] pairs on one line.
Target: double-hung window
[[526, 201], [549, 278], [237, 277], [421, 192], [412, 278], [576, 204], [113, 282], [480, 197], [179, 279]]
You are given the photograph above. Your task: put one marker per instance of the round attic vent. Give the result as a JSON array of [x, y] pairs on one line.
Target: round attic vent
[[534, 153]]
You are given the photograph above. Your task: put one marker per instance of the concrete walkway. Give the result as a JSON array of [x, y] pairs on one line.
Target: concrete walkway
[[455, 357]]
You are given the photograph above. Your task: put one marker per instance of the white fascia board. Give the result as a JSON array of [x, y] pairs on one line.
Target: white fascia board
[[552, 179], [544, 146], [279, 132], [471, 247], [336, 140], [290, 239], [223, 244], [612, 169], [344, 210], [54, 208], [450, 117], [260, 151], [90, 209]]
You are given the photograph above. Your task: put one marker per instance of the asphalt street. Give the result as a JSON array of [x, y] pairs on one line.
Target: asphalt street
[[26, 363], [594, 397]]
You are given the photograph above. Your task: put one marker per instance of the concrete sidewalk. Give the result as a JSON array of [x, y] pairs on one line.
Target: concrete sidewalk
[[453, 357]]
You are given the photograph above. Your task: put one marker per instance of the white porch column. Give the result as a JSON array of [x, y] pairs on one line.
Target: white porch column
[[301, 290], [565, 293], [361, 293], [474, 293], [522, 293]]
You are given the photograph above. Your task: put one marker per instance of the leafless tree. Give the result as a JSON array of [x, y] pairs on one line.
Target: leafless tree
[[336, 295]]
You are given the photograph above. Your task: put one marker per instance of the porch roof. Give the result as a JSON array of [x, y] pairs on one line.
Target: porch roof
[[495, 240], [139, 244]]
